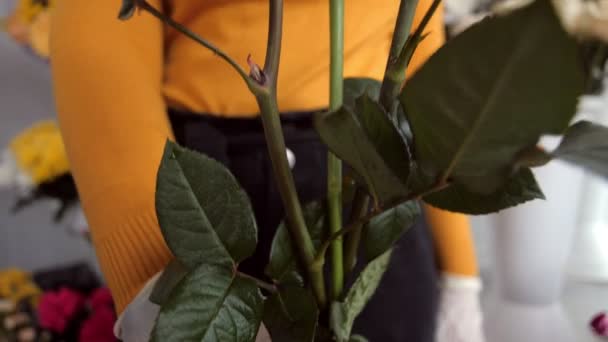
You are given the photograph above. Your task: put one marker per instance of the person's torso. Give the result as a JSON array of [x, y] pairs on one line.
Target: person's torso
[[199, 81]]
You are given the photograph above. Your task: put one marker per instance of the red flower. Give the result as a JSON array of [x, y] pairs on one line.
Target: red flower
[[101, 298], [56, 309], [99, 327], [600, 324]]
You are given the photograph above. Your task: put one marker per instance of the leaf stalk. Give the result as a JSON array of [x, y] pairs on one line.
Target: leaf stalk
[[334, 164]]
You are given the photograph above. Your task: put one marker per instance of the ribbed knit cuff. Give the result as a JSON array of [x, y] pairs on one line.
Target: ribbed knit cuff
[[130, 255]]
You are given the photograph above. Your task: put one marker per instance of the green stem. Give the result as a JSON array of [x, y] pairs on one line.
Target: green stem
[[267, 101], [353, 239], [273, 47], [334, 172], [403, 27], [388, 93], [287, 190], [395, 75]]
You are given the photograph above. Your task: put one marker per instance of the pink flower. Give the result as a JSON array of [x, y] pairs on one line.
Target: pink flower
[[56, 309], [101, 298], [99, 326], [599, 324]]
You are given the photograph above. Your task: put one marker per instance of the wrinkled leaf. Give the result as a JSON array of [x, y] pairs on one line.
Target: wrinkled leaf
[[291, 315], [344, 134], [203, 213], [168, 280], [491, 92], [520, 188], [211, 304], [282, 266], [384, 230], [586, 144], [343, 314]]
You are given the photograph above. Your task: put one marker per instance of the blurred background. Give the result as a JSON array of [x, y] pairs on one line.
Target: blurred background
[[30, 239], [544, 265]]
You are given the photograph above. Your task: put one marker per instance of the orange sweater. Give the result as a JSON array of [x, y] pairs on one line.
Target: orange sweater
[[111, 76]]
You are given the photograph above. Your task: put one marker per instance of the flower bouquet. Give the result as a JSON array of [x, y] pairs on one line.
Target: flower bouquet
[[462, 135], [64, 304], [36, 166]]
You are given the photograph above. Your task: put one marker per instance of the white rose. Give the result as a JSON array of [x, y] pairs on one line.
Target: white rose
[[585, 18]]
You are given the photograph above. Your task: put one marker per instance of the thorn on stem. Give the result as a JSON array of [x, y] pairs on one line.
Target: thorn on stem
[[256, 73]]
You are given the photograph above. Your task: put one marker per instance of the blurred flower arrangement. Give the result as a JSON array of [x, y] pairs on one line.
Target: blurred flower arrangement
[[36, 165], [599, 324], [65, 304], [30, 23]]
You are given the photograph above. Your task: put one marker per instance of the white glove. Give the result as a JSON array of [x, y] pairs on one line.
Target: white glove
[[135, 324], [460, 316]]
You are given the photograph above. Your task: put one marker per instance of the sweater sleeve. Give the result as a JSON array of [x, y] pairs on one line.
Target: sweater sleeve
[[107, 82], [451, 232]]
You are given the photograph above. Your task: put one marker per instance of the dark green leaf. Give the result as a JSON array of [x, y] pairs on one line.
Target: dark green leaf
[[211, 304], [521, 188], [283, 266], [343, 314], [168, 280], [385, 136], [491, 92], [357, 338], [586, 144], [354, 88], [203, 213], [384, 230], [345, 136], [291, 315], [128, 8]]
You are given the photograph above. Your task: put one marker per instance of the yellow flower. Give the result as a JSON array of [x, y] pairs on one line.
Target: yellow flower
[[40, 153], [16, 286], [39, 34], [27, 10], [29, 24]]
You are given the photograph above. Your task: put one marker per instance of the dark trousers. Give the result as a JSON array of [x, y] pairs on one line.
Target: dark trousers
[[404, 307]]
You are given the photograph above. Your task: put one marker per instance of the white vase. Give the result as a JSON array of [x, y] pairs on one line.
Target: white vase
[[532, 245], [589, 260]]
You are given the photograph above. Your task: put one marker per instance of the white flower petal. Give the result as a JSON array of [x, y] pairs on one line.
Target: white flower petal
[[8, 169], [24, 183]]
